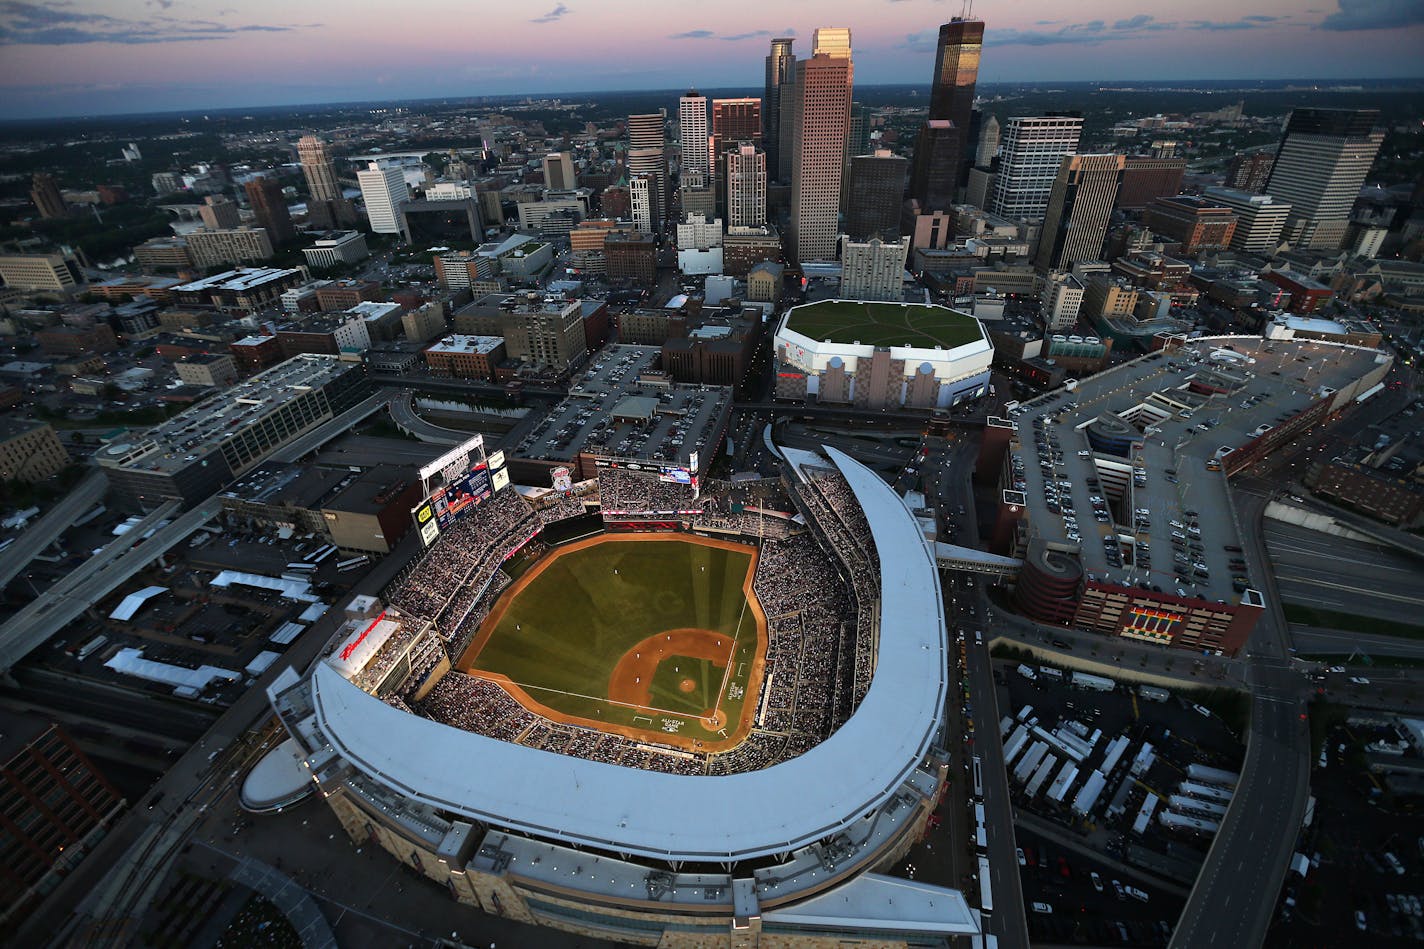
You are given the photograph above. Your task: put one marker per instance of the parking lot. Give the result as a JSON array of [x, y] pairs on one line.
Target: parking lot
[[1104, 834], [1366, 848]]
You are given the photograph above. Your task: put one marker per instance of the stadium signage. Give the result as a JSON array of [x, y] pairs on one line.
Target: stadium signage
[[352, 646], [454, 463]]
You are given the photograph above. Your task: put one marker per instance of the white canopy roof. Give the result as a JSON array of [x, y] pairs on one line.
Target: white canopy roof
[[739, 816], [132, 603]]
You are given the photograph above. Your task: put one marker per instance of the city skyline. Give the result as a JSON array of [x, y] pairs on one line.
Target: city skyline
[[214, 56]]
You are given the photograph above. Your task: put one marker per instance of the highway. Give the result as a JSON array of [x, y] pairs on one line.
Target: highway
[[1342, 642], [945, 476], [54, 522], [1346, 576], [404, 415], [1235, 895], [95, 579], [126, 555]]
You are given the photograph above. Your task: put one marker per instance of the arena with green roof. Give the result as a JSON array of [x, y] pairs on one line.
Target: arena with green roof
[[913, 325], [881, 355]]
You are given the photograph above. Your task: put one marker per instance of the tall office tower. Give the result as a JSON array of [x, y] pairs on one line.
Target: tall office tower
[[647, 157], [956, 72], [823, 90], [1032, 150], [780, 68], [1249, 171], [937, 149], [873, 269], [219, 213], [327, 206], [1079, 210], [746, 186], [875, 196], [1259, 218], [857, 143], [692, 134], [1320, 165], [384, 190], [1146, 178], [45, 194], [988, 146], [735, 122], [559, 171], [640, 200], [270, 208], [786, 146]]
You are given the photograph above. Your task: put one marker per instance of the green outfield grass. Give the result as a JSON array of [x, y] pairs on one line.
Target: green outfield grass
[[563, 634], [884, 324]]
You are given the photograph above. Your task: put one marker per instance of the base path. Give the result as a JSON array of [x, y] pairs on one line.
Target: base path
[[632, 679]]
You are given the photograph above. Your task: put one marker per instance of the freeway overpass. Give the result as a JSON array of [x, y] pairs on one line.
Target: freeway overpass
[[95, 579], [51, 524]]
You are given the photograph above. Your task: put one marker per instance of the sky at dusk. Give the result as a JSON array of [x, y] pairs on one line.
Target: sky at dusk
[[86, 57]]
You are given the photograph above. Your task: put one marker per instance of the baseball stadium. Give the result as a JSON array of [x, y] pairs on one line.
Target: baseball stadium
[[660, 713]]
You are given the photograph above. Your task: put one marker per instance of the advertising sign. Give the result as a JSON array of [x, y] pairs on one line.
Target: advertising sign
[[562, 480], [501, 479]]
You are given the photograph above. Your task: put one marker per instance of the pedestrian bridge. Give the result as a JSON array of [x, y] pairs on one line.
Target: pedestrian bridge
[[955, 557]]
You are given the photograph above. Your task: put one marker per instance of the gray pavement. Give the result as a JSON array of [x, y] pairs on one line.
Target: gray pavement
[[403, 413], [1343, 642], [1326, 572]]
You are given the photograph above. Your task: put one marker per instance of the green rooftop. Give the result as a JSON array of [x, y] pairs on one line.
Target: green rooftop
[[884, 324]]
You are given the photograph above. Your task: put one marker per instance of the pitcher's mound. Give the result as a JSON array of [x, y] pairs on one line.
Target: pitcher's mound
[[686, 685]]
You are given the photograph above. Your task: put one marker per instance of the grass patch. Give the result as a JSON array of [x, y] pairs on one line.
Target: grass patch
[[1350, 622], [884, 324], [561, 636]]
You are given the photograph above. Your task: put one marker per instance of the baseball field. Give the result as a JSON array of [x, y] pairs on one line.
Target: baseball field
[[651, 636]]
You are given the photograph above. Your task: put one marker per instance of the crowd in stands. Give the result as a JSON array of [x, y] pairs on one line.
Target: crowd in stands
[[624, 493], [817, 587]]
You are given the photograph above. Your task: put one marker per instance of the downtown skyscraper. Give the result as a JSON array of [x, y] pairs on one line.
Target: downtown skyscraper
[[646, 156], [821, 117], [781, 69], [1321, 164], [944, 149], [692, 135], [326, 205], [1031, 153], [1079, 211], [746, 186]]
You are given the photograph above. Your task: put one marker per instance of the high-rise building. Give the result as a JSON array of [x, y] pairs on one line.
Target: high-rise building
[[692, 134], [384, 190], [45, 194], [1320, 165], [956, 73], [735, 122], [225, 246], [559, 172], [873, 269], [822, 113], [270, 209], [746, 186], [875, 196], [646, 156], [219, 212], [640, 197], [1145, 178], [1260, 218], [327, 206], [786, 129], [1031, 152], [1079, 210], [1249, 171], [988, 147], [780, 69], [937, 148]]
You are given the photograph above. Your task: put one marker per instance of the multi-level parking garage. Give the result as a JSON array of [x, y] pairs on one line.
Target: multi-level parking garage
[[1113, 489]]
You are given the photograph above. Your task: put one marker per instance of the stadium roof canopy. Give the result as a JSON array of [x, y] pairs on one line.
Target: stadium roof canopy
[[740, 816]]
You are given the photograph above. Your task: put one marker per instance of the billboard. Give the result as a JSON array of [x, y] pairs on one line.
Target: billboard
[[501, 479], [562, 480], [453, 466], [454, 499], [497, 460], [424, 516]]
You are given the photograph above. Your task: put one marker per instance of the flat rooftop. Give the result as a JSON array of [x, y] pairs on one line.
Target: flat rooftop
[[236, 280], [187, 436], [921, 326], [680, 419], [1150, 401], [482, 345]]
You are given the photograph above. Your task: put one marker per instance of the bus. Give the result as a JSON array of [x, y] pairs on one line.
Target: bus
[[978, 779], [352, 564], [986, 893], [320, 554], [981, 838], [91, 647], [301, 566]]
